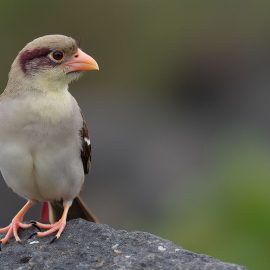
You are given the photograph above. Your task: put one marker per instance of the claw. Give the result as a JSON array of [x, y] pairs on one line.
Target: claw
[[34, 224], [37, 227], [53, 240], [32, 235]]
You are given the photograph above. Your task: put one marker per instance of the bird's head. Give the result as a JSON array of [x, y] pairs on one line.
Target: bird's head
[[50, 62]]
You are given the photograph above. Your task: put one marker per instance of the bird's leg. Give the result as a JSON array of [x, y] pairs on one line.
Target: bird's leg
[[16, 223], [59, 226]]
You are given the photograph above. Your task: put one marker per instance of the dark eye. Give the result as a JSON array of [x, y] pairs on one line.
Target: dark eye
[[57, 55]]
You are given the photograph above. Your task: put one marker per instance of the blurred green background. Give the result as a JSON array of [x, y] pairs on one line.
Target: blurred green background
[[179, 116]]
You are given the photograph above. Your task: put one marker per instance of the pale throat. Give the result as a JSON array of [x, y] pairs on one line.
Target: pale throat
[[49, 100], [48, 85], [52, 106]]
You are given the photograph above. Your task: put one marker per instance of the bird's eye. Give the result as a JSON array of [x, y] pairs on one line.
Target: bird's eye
[[57, 55]]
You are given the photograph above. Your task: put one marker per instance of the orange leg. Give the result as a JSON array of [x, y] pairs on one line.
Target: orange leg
[[59, 226], [16, 223]]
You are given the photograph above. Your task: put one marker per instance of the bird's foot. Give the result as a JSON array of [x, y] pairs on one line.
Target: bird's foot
[[59, 226], [12, 230], [16, 224]]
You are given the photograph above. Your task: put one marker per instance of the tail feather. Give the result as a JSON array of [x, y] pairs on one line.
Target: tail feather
[[78, 209]]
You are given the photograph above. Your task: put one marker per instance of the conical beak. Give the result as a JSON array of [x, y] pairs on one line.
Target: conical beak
[[81, 62]]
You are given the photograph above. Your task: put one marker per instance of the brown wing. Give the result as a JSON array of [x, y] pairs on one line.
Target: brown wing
[[86, 147]]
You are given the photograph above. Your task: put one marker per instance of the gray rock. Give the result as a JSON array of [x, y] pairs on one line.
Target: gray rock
[[86, 245]]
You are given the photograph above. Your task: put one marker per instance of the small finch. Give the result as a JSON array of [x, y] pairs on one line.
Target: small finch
[[45, 149]]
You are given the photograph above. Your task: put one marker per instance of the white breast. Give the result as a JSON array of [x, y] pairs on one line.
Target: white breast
[[40, 145]]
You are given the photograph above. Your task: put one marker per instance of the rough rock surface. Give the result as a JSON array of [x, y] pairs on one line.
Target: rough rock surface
[[86, 245]]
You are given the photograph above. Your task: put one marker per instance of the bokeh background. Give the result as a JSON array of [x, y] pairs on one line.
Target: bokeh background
[[179, 116]]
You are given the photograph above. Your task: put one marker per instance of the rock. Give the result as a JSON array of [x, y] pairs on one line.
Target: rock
[[85, 245]]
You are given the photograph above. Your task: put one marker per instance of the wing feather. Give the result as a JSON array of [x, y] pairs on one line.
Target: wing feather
[[86, 147]]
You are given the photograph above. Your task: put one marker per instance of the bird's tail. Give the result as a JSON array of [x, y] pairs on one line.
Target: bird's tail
[[52, 211]]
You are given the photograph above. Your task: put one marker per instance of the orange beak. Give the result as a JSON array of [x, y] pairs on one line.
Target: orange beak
[[81, 62]]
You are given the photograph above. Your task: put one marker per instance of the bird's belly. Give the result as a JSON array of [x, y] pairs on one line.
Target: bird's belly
[[58, 171], [16, 164], [48, 171], [40, 147]]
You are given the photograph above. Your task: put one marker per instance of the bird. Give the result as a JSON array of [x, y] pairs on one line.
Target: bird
[[45, 150]]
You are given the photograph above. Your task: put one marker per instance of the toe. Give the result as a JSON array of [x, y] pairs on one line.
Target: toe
[[43, 226], [15, 233], [4, 230], [25, 226]]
